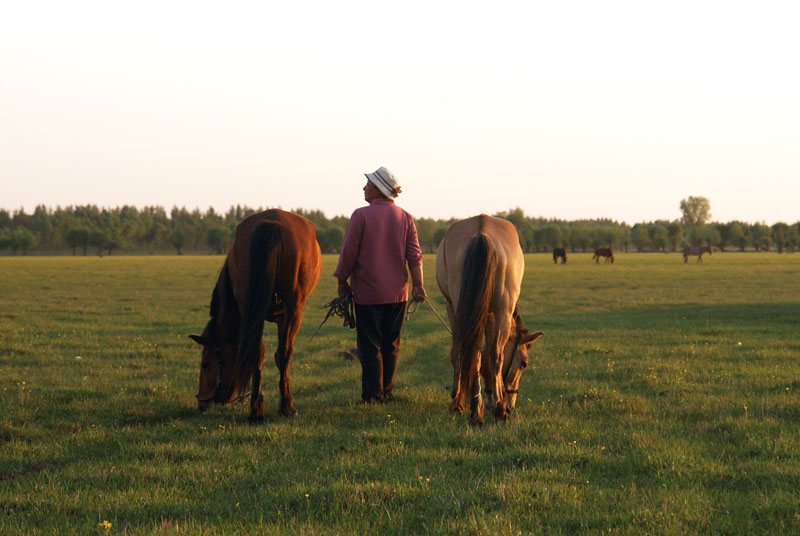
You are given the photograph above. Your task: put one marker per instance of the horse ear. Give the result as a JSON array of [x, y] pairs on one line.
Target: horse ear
[[528, 338], [200, 340]]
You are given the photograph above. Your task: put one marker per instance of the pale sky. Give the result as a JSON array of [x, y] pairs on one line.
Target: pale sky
[[573, 109]]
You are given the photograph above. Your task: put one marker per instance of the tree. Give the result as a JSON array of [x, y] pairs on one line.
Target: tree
[[551, 236], [640, 236], [330, 239], [737, 235], [425, 229], [78, 237], [793, 237], [438, 236], [659, 237], [113, 242], [696, 210], [675, 236], [179, 239], [725, 233], [760, 234], [98, 239], [580, 238], [5, 239], [23, 239], [713, 237], [698, 234], [217, 238], [780, 232]]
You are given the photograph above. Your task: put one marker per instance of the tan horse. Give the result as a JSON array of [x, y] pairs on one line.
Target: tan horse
[[271, 269], [479, 269]]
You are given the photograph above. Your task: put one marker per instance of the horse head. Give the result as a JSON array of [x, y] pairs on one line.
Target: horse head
[[515, 358], [216, 369]]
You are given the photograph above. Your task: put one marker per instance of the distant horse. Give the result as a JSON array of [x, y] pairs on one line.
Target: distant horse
[[690, 250], [560, 252], [479, 268], [271, 269], [603, 252]]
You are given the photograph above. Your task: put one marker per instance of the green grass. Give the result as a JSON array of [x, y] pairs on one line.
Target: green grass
[[640, 412]]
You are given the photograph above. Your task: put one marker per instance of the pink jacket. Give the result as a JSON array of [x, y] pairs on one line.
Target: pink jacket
[[380, 239]]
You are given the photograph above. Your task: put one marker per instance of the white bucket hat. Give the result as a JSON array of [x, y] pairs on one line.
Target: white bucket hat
[[385, 181]]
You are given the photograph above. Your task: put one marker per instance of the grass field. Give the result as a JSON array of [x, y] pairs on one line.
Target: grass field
[[664, 398]]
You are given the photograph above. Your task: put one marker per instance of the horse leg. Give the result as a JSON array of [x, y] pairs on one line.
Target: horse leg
[[257, 396], [287, 331], [497, 334], [476, 402], [457, 405]]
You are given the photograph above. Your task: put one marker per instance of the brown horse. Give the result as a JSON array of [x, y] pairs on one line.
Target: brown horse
[[603, 252], [271, 269], [479, 270], [560, 252], [689, 250]]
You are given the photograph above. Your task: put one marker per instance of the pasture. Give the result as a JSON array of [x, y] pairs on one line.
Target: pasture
[[664, 398]]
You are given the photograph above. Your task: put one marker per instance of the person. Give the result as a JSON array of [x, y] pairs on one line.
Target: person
[[381, 239]]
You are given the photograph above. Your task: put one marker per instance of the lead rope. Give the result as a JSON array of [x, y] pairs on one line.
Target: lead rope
[[415, 305]]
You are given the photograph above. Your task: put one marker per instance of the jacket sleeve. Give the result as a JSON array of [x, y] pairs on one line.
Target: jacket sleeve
[[350, 246]]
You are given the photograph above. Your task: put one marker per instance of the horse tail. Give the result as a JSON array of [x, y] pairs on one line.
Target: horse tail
[[472, 312], [265, 248]]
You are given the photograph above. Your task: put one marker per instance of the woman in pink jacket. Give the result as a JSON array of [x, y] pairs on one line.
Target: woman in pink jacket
[[381, 239]]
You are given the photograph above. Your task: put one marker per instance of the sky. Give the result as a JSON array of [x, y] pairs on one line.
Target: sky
[[569, 110]]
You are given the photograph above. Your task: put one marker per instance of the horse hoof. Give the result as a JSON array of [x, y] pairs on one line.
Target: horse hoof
[[256, 419], [456, 407], [291, 412]]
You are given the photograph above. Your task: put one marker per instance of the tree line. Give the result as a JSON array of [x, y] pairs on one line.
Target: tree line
[[82, 230]]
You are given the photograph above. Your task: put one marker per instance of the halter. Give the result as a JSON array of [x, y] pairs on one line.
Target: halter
[[219, 378], [516, 345]]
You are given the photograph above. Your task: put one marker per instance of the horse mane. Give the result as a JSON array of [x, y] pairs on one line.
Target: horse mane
[[223, 310]]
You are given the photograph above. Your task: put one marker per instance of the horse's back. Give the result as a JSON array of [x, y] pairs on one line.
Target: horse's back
[[503, 237], [300, 260]]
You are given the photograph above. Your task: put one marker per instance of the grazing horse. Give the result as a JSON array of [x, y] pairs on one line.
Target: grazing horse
[[699, 250], [271, 269], [603, 252], [479, 268], [560, 252]]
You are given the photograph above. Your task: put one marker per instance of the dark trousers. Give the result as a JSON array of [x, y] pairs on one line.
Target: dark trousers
[[378, 328]]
